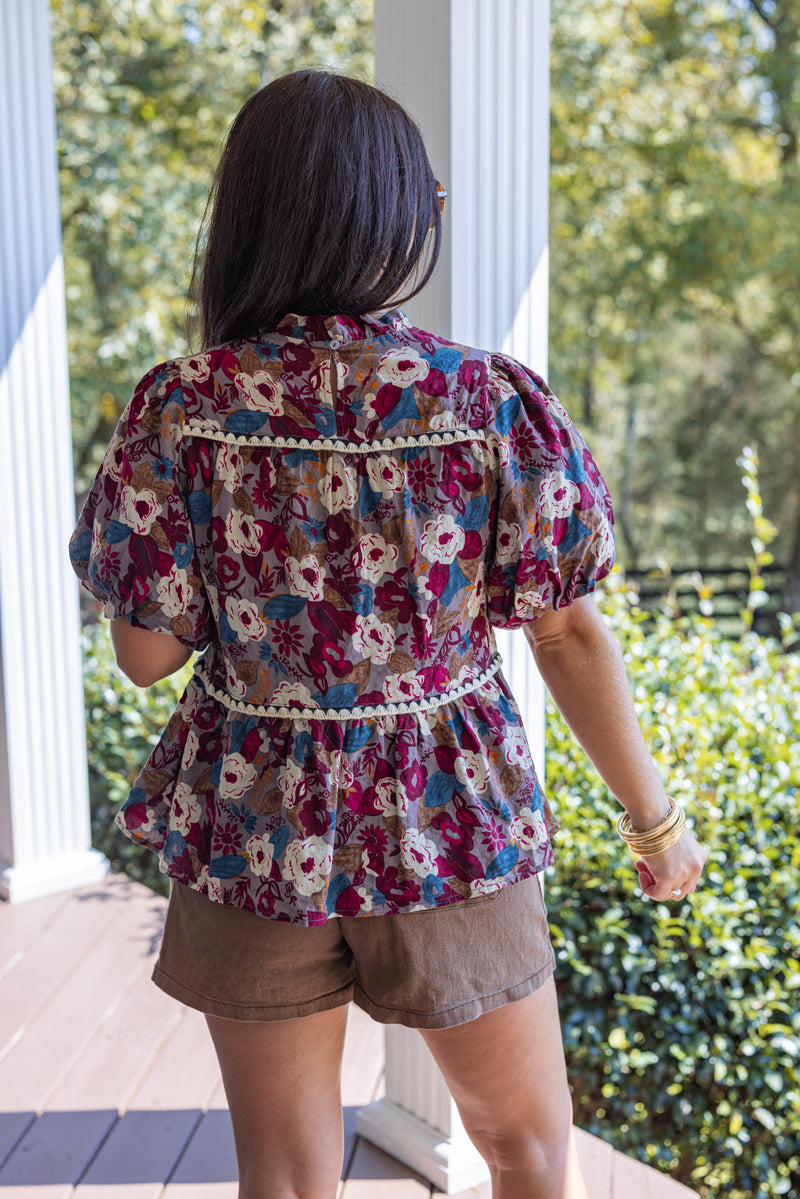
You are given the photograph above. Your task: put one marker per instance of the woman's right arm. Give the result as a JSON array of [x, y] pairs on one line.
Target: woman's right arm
[[582, 667]]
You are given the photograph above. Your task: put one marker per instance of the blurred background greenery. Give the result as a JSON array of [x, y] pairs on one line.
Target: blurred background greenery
[[674, 332]]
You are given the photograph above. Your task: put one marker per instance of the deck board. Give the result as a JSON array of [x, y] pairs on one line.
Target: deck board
[[19, 935], [122, 1164], [96, 1062]]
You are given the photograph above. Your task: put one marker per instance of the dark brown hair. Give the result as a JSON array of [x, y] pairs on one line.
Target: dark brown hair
[[322, 203]]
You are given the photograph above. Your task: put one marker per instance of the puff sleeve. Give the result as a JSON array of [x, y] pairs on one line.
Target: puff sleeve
[[551, 536], [133, 546]]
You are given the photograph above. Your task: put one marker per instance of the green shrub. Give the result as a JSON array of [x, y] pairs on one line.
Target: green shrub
[[123, 724], [681, 1022]]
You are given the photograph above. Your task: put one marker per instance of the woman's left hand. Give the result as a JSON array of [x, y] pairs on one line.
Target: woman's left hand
[[674, 873]]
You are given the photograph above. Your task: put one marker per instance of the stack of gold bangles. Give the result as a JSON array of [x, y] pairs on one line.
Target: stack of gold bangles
[[653, 840]]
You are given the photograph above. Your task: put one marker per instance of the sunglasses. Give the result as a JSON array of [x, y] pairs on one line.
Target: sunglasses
[[441, 193]]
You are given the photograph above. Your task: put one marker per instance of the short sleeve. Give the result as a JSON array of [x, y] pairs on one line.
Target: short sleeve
[[552, 536], [133, 546]]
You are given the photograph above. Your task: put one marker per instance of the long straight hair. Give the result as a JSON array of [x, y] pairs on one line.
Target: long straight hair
[[323, 202]]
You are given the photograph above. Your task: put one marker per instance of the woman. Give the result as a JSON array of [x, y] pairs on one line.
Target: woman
[[338, 508]]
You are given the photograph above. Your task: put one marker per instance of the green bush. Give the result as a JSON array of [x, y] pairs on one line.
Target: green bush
[[681, 1022], [123, 724]]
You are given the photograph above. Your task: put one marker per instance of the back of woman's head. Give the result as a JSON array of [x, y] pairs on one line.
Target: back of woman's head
[[322, 203]]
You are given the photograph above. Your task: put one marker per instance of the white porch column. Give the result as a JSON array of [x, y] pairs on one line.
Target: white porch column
[[475, 76], [45, 841]]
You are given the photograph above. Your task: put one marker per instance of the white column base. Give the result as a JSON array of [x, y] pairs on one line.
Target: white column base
[[33, 880], [452, 1165]]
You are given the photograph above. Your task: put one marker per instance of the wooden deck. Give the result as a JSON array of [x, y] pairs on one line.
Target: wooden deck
[[110, 1090]]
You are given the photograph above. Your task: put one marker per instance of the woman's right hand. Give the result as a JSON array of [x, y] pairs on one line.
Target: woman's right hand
[[676, 869]]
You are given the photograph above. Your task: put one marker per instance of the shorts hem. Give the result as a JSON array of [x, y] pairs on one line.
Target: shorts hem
[[460, 1013], [262, 1012]]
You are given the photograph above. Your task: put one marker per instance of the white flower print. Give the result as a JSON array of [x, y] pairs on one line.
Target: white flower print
[[498, 450], [213, 599], [443, 420], [374, 556], [418, 853], [112, 459], [403, 367], [184, 810], [442, 539], [558, 495], [260, 851], [391, 797], [471, 770], [97, 540], [242, 533], [305, 577], [320, 379], [188, 708], [367, 900], [517, 750], [289, 692], [244, 618], [237, 776], [485, 886], [234, 685], [340, 775], [386, 474], [139, 509], [190, 747], [292, 782], [605, 550], [262, 392], [196, 369], [529, 829], [400, 687], [509, 542], [477, 595], [229, 467], [374, 639], [308, 864], [527, 602], [174, 592], [338, 487]]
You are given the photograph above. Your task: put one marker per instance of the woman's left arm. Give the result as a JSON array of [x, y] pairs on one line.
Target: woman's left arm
[[582, 667], [146, 656]]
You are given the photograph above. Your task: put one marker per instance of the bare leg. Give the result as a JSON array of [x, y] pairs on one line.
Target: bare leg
[[507, 1074], [282, 1083]]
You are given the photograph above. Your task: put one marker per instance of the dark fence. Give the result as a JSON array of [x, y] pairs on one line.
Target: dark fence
[[721, 593]]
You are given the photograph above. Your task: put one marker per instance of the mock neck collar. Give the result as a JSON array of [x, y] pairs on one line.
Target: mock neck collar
[[343, 329]]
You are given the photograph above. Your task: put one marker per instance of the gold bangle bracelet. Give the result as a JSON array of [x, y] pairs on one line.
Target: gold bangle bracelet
[[650, 841]]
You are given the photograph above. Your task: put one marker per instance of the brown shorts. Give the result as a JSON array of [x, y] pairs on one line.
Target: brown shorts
[[430, 969]]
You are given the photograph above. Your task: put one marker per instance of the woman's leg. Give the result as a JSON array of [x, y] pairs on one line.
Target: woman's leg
[[282, 1083], [507, 1074]]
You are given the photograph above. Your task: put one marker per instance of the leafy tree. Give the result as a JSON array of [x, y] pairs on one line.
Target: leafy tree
[[145, 93], [675, 254]]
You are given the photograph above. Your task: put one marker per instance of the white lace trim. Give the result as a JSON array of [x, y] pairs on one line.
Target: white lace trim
[[393, 708], [197, 427]]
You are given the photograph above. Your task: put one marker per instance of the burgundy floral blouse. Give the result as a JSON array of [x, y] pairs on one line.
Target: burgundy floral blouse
[[338, 512]]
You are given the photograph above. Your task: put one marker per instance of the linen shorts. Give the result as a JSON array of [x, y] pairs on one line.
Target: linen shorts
[[429, 969]]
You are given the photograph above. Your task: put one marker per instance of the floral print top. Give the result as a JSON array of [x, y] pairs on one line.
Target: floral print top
[[338, 512]]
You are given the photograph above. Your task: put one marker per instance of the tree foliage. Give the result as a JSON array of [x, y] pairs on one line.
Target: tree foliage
[[675, 257], [145, 92]]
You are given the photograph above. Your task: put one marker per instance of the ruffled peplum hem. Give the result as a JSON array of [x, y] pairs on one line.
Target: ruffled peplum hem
[[305, 819]]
